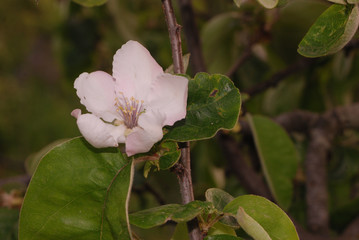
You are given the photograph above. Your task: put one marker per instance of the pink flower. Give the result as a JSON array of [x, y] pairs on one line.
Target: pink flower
[[133, 105]]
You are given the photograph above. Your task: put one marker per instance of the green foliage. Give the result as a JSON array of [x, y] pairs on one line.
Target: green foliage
[[259, 217], [78, 192], [278, 157], [213, 104], [179, 213], [331, 31], [220, 199], [90, 3], [170, 156], [268, 215], [181, 232], [251, 226], [34, 159]]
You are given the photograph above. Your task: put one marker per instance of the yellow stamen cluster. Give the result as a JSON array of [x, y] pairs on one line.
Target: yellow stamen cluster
[[130, 109]]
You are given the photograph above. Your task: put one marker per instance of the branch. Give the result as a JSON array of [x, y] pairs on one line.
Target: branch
[[321, 129], [276, 78], [252, 181], [174, 31], [183, 167], [242, 59]]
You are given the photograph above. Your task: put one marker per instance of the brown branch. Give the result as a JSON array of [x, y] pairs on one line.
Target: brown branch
[[276, 78], [252, 181], [321, 129], [183, 167], [174, 31], [148, 188], [240, 61], [192, 36]]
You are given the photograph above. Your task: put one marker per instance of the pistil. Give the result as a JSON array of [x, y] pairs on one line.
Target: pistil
[[130, 109]]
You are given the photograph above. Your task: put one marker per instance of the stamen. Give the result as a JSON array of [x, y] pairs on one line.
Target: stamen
[[129, 109]]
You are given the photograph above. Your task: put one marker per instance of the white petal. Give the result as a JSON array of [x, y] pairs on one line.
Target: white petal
[[169, 96], [76, 113], [97, 92], [146, 134], [98, 133], [134, 69]]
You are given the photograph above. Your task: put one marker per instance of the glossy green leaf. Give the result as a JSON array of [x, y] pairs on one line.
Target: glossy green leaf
[[222, 237], [273, 220], [169, 155], [78, 192], [278, 157], [213, 104], [251, 226], [159, 215], [268, 3], [90, 3], [331, 31]]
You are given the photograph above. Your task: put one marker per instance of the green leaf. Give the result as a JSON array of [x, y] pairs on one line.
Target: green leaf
[[331, 32], [251, 226], [222, 237], [278, 157], [78, 192], [219, 228], [8, 223], [33, 160], [268, 3], [220, 199], [273, 220], [170, 155], [181, 232], [159, 215], [213, 104], [90, 3]]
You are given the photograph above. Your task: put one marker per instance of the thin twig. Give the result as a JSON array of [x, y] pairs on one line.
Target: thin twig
[[183, 167], [174, 31], [240, 61]]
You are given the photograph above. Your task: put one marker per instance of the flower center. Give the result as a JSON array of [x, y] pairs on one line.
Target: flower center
[[130, 109]]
